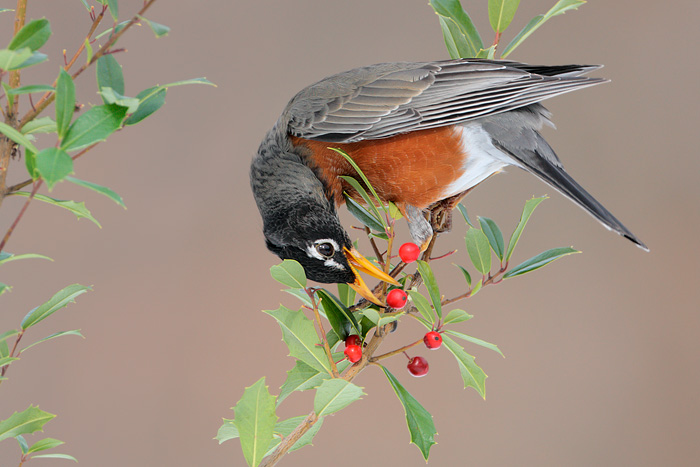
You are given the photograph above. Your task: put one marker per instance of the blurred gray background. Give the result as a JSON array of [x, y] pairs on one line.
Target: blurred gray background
[[601, 348]]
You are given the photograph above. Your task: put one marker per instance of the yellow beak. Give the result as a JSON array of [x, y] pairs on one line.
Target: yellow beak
[[360, 263]]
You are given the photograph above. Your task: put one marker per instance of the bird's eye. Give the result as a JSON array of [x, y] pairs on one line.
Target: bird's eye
[[325, 249]]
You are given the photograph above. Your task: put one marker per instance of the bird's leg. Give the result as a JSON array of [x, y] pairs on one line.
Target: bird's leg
[[418, 226], [441, 212]]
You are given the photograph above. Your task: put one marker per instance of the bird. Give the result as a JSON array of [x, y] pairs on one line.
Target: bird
[[423, 133]]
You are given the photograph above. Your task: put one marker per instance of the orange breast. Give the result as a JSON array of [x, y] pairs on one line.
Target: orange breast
[[412, 168]]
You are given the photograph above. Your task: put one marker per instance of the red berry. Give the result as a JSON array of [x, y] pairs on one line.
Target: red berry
[[418, 366], [353, 340], [396, 298], [433, 340], [409, 252], [354, 353]]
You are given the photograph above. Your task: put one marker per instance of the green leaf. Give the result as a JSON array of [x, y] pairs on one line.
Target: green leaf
[[44, 444], [363, 177], [99, 189], [466, 274], [17, 137], [538, 261], [109, 75], [7, 334], [4, 288], [113, 9], [158, 29], [78, 209], [342, 320], [65, 102], [479, 250], [300, 336], [372, 315], [363, 215], [501, 13], [494, 236], [422, 305], [255, 420], [457, 316], [22, 443], [33, 35], [300, 378], [476, 341], [472, 375], [561, 7], [53, 164], [285, 428], [530, 206], [29, 89], [55, 456], [85, 4], [58, 301], [88, 51], [30, 420], [346, 294], [150, 100], [489, 53], [3, 10], [420, 422], [289, 273], [463, 211], [39, 125], [301, 295], [7, 360], [334, 395], [227, 431], [190, 81], [6, 257], [35, 58], [93, 126], [455, 41], [452, 11], [386, 319], [426, 273], [12, 59], [110, 96], [477, 286], [368, 201], [74, 332]]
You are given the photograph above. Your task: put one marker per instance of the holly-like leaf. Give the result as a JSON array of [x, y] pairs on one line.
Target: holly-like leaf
[[457, 316], [300, 378], [561, 7], [479, 250], [289, 273], [300, 336], [93, 126], [58, 301], [457, 28], [227, 431], [255, 420], [501, 13], [285, 428], [476, 341], [538, 261], [472, 375], [33, 35], [494, 236], [78, 209], [53, 164], [334, 395], [109, 193], [342, 320], [74, 332], [530, 206], [420, 422], [30, 420], [150, 100], [65, 102], [426, 273], [109, 75]]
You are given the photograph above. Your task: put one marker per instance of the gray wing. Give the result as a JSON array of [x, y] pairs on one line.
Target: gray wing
[[387, 99]]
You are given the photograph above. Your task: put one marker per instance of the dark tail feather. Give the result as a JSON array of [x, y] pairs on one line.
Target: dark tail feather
[[555, 176]]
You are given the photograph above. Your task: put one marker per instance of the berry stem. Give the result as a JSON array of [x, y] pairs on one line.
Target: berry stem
[[397, 351]]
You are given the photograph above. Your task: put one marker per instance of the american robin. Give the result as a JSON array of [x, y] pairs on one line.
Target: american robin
[[422, 133]]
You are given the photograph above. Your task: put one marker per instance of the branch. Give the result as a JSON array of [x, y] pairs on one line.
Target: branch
[[21, 213], [289, 441], [485, 280]]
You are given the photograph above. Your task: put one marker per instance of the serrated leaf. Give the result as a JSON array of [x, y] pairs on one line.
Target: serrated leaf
[[255, 420], [285, 428], [150, 100], [158, 29], [342, 320], [289, 273], [29, 89], [362, 214], [479, 250], [334, 395], [93, 126], [74, 332], [11, 59], [65, 102], [30, 420], [420, 422], [451, 10], [227, 431], [465, 273], [494, 236], [538, 261], [109, 75], [422, 305], [476, 341], [59, 300], [561, 7], [463, 211], [53, 164], [33, 35], [17, 137], [300, 378], [501, 13], [55, 456], [109, 193], [301, 295], [528, 209], [457, 316], [6, 257], [44, 444], [110, 96], [39, 125], [78, 209], [472, 375], [426, 273], [300, 336]]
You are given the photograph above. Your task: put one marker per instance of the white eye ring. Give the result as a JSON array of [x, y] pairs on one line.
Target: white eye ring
[[325, 249]]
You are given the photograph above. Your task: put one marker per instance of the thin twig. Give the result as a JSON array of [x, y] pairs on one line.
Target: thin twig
[[37, 184], [486, 280], [380, 257], [397, 351], [322, 333]]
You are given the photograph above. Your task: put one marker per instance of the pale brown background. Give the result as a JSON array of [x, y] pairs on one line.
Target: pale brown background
[[602, 348]]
